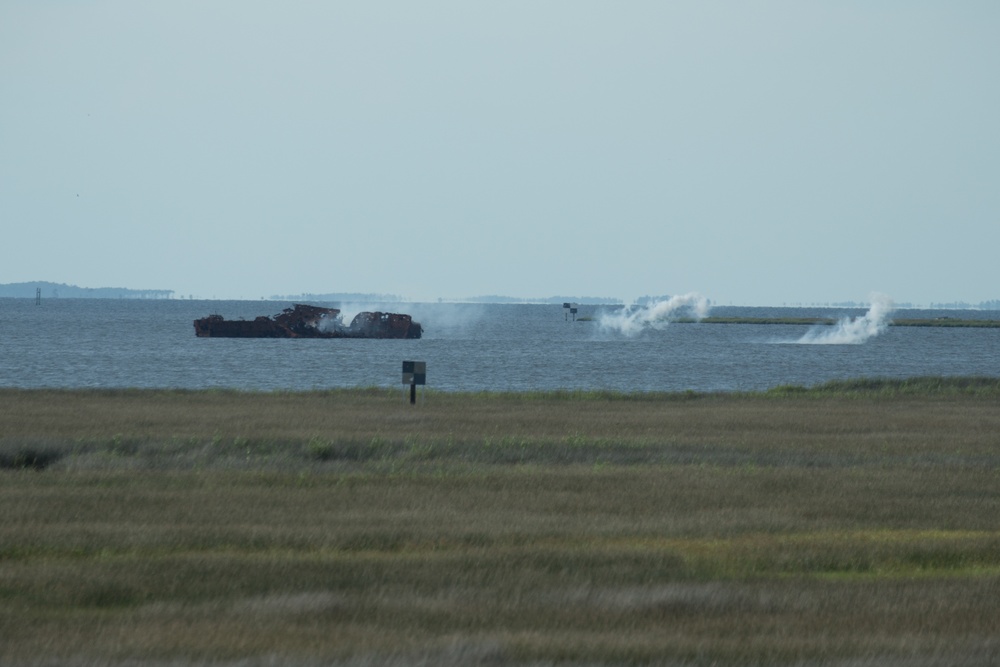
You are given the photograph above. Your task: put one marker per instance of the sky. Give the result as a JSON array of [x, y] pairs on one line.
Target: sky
[[755, 153]]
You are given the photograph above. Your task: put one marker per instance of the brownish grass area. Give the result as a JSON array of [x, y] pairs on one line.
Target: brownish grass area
[[855, 525]]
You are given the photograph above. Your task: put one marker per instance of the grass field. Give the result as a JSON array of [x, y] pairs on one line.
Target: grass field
[[855, 523]]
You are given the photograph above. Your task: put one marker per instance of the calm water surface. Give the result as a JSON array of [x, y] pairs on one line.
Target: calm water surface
[[71, 343]]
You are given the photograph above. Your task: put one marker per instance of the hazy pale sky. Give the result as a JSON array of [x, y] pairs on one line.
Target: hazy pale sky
[[758, 153]]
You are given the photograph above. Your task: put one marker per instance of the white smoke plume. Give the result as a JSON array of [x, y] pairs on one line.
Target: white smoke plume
[[631, 321], [347, 313], [454, 317], [350, 310], [434, 317], [854, 331]]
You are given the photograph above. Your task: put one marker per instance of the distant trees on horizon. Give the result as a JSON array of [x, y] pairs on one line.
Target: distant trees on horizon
[[29, 290], [50, 290]]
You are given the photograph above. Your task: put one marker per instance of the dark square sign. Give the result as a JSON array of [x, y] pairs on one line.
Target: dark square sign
[[414, 372]]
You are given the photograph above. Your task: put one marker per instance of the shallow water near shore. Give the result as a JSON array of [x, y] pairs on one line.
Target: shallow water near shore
[[103, 343]]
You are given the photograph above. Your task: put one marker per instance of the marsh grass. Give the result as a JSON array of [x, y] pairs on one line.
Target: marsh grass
[[926, 420], [854, 523]]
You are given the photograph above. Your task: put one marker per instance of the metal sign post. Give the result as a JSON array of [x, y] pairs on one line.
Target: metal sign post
[[414, 373]]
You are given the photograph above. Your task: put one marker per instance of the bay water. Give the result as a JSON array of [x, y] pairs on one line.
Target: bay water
[[107, 343]]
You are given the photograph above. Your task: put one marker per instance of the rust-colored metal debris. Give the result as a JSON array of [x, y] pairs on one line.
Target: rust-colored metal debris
[[302, 321]]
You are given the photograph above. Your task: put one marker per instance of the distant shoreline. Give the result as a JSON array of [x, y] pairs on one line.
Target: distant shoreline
[[73, 292], [48, 290], [819, 321]]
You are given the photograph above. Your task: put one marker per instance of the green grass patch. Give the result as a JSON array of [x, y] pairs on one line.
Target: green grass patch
[[851, 523]]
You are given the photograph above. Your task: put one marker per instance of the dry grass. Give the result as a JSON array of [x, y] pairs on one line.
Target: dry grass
[[176, 528]]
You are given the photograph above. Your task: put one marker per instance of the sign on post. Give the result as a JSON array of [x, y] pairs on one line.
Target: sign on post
[[414, 373]]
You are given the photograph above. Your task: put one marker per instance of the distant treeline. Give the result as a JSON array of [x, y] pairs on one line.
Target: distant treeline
[[493, 298], [63, 291], [340, 296], [489, 298], [992, 304]]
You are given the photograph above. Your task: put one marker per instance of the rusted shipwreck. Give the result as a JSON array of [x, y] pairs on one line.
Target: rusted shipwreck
[[302, 321]]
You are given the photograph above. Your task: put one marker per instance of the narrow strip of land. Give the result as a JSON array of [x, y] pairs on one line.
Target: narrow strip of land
[[812, 321]]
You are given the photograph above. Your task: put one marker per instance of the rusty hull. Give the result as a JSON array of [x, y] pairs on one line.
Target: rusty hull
[[303, 321]]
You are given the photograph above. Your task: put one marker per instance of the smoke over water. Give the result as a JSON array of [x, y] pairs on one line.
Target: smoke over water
[[447, 317], [435, 317], [348, 311], [854, 331], [656, 316]]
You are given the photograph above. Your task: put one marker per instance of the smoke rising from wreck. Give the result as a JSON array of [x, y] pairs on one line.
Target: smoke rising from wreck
[[632, 321], [854, 331], [435, 317], [450, 317], [348, 311]]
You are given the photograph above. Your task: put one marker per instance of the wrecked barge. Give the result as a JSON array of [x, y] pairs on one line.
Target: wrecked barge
[[302, 321]]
